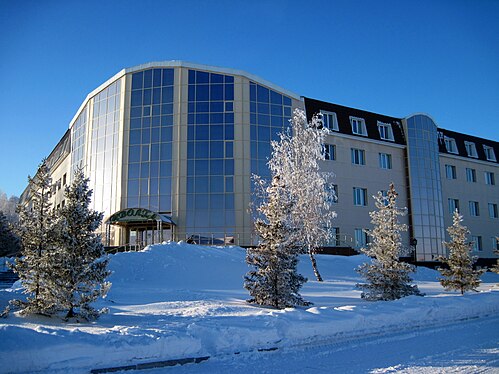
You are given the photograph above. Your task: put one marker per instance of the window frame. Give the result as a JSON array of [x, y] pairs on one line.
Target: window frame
[[470, 149], [359, 196], [476, 240], [359, 155], [450, 171], [489, 153], [389, 131], [453, 205], [474, 208], [385, 161], [327, 152], [450, 145], [493, 211], [489, 178], [359, 122], [470, 175], [361, 234], [326, 117]]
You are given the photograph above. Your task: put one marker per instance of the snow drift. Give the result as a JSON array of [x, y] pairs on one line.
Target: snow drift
[[176, 300]]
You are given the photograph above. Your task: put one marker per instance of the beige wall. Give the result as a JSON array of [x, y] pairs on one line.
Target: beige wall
[[464, 191]]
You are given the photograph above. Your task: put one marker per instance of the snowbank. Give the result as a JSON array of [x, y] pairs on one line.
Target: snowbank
[[178, 300]]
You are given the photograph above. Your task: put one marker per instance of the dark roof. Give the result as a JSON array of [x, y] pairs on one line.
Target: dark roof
[[343, 114], [461, 138]]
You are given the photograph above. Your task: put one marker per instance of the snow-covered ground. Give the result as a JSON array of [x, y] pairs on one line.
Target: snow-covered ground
[[179, 301]]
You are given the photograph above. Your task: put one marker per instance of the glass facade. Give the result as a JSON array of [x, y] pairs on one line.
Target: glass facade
[[270, 113], [210, 155], [78, 134], [426, 204], [150, 140], [103, 168]]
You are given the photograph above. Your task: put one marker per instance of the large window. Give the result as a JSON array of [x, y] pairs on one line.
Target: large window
[[489, 153], [453, 205], [470, 149], [385, 131], [359, 196], [450, 171], [470, 175], [358, 156], [385, 161], [450, 145], [330, 120], [329, 151], [361, 238], [492, 210], [477, 243], [489, 178], [474, 208], [358, 126]]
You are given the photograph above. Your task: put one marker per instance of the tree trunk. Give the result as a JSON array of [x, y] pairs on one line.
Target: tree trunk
[[314, 265]]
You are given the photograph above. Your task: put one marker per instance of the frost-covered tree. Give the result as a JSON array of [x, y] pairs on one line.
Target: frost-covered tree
[[79, 264], [295, 158], [495, 268], [273, 280], [387, 277], [460, 275], [36, 231], [9, 242], [8, 205]]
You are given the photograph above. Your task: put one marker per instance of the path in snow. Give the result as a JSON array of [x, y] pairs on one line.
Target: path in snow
[[467, 347]]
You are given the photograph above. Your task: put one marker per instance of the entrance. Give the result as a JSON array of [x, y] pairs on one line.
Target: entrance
[[142, 227]]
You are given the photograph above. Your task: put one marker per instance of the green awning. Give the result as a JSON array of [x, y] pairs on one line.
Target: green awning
[[137, 215]]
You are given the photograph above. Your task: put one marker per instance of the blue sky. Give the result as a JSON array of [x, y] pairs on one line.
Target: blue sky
[[391, 57]]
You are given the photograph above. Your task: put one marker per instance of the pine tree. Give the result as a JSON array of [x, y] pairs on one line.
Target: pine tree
[[274, 281], [36, 231], [387, 278], [295, 158], [79, 264], [9, 242], [460, 276]]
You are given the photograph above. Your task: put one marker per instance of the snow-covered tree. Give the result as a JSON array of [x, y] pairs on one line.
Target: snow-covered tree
[[9, 242], [79, 264], [495, 268], [8, 205], [460, 275], [295, 158], [387, 277], [36, 231], [274, 280]]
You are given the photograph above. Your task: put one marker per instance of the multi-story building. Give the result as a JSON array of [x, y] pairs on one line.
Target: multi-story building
[[170, 149]]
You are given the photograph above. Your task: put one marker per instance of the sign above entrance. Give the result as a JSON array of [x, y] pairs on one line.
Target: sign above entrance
[[137, 215]]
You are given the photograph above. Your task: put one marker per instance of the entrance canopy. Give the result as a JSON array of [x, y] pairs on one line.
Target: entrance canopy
[[133, 216]]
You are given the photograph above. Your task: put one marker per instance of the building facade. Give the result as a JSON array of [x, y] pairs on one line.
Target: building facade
[[170, 149]]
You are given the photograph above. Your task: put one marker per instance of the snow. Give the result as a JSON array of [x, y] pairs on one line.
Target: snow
[[177, 300]]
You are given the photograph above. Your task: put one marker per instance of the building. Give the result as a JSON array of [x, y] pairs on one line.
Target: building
[[170, 148]]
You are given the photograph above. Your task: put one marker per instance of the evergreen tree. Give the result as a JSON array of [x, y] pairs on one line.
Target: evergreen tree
[[387, 278], [9, 242], [460, 276], [79, 264], [36, 231], [495, 268], [295, 158], [274, 281]]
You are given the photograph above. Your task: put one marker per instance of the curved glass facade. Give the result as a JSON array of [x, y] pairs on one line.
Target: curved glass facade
[[150, 140], [425, 188]]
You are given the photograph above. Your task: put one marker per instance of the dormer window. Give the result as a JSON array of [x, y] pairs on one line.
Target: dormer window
[[358, 126], [450, 145], [489, 153], [470, 149], [385, 131], [330, 120]]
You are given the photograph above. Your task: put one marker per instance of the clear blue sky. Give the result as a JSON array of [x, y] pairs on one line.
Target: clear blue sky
[[392, 57]]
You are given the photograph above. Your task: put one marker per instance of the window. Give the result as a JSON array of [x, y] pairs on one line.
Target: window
[[329, 152], [489, 153], [330, 120], [332, 192], [474, 209], [453, 205], [359, 196], [489, 178], [450, 145], [450, 171], [470, 149], [385, 131], [385, 161], [477, 243], [361, 238], [64, 179], [494, 242], [358, 156], [470, 175], [493, 210], [335, 236], [358, 126]]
